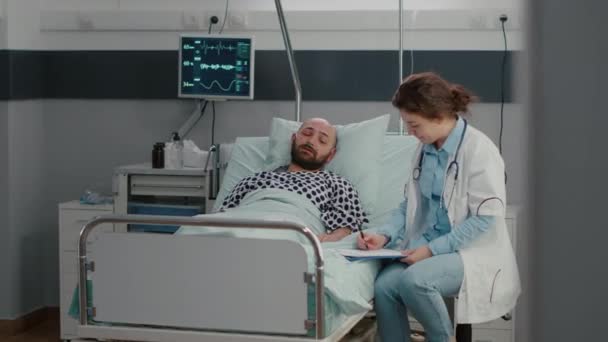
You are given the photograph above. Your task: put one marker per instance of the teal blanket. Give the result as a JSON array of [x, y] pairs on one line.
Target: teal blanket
[[349, 284]]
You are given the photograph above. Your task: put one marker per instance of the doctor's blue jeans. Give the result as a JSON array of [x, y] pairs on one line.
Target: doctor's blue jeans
[[418, 289]]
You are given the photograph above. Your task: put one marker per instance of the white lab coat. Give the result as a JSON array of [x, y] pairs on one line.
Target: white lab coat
[[491, 282]]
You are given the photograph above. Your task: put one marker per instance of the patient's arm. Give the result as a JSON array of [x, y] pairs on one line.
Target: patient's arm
[[241, 189], [343, 214], [233, 199]]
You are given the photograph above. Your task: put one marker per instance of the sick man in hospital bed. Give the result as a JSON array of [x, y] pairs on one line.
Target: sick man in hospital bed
[[312, 147], [303, 192]]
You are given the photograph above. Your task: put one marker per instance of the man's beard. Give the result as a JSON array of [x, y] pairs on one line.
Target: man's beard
[[307, 164]]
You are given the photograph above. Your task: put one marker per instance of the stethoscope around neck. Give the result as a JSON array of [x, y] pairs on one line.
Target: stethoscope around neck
[[452, 166]]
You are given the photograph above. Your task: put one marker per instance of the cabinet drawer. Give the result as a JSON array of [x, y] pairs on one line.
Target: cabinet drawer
[[491, 335], [69, 262], [153, 185], [71, 223]]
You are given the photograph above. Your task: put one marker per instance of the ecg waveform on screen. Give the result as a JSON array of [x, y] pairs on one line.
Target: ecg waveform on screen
[[226, 67], [208, 87], [219, 47]]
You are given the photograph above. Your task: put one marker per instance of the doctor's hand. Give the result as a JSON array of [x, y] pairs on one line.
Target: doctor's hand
[[370, 241], [336, 235], [413, 256]]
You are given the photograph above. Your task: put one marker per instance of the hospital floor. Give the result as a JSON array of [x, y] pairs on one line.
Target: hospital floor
[[47, 331]]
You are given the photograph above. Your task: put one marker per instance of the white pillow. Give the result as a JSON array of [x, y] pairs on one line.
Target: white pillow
[[358, 155], [248, 156]]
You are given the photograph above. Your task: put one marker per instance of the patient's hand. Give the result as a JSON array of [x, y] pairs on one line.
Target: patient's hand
[[371, 241], [336, 235]]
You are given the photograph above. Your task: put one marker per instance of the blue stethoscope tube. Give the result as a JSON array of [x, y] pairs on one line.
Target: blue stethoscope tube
[[453, 164]]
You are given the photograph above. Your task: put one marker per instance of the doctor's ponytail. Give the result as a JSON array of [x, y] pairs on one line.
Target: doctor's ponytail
[[431, 96], [461, 98]]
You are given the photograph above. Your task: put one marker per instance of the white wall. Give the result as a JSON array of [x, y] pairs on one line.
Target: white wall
[[22, 23], [30, 251], [31, 238], [291, 5], [26, 247], [439, 25]]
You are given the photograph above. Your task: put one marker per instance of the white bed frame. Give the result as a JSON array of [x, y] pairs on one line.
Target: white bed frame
[[155, 287]]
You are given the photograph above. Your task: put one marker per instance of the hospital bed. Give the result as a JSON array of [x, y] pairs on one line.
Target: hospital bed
[[155, 287]]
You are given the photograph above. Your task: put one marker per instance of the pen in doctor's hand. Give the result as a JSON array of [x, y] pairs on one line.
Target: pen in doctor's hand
[[363, 238]]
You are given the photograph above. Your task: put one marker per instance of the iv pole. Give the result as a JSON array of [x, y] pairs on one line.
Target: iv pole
[[291, 58]]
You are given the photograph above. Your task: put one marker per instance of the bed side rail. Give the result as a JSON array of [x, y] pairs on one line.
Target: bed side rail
[[203, 221]]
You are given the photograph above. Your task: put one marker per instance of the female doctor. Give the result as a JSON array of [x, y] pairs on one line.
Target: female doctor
[[451, 225]]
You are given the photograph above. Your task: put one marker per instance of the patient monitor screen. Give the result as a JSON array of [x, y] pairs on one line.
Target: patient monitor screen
[[216, 67]]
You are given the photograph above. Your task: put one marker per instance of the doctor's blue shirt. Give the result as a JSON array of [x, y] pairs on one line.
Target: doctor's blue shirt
[[438, 233]]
